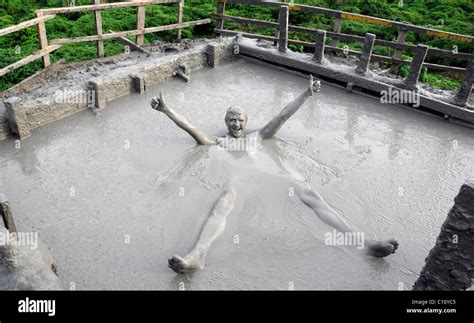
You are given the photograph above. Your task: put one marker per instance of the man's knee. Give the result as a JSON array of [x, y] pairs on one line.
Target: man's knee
[[316, 196], [304, 191], [225, 203], [230, 193]]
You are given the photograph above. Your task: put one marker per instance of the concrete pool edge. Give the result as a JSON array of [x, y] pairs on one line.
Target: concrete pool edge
[[19, 118], [302, 62]]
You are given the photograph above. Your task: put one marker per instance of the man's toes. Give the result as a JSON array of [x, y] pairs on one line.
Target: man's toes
[[380, 249], [394, 243], [176, 267], [172, 261], [231, 192], [179, 260], [176, 263]]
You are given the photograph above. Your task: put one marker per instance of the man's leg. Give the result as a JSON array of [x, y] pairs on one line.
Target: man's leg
[[213, 228], [330, 216]]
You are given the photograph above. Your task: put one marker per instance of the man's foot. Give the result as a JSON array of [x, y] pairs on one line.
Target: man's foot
[[182, 265], [380, 249]]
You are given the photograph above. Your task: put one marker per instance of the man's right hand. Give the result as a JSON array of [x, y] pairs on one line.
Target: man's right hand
[[158, 103]]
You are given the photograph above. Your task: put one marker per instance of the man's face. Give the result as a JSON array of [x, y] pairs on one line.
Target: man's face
[[236, 123]]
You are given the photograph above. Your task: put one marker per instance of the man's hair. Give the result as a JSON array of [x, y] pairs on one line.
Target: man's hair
[[235, 110]]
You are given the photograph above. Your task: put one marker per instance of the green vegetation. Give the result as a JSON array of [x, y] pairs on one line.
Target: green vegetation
[[449, 15]]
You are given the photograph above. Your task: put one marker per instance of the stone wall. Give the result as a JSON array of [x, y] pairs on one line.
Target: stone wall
[[25, 263], [450, 264]]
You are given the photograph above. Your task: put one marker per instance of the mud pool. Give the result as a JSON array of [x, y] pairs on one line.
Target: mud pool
[[114, 196]]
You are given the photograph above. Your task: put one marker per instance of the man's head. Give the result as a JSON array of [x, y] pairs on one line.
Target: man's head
[[236, 121]]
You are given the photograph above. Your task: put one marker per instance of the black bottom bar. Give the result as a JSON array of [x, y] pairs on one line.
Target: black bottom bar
[[260, 305]]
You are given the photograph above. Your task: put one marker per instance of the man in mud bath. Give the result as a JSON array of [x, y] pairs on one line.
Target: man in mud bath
[[236, 122]]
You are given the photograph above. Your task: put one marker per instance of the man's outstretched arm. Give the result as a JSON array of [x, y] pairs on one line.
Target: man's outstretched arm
[[275, 124], [201, 137]]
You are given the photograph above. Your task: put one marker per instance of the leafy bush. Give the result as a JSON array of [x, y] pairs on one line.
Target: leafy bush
[[449, 15]]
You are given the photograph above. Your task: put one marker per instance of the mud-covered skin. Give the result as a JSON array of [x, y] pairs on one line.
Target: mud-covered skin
[[182, 265], [216, 222], [330, 216], [236, 121], [380, 249], [236, 118], [212, 229]]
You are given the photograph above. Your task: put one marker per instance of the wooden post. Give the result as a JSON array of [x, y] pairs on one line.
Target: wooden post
[[220, 11], [364, 60], [337, 29], [402, 36], [466, 86], [43, 38], [180, 18], [283, 28], [415, 68], [319, 48], [98, 29], [132, 45], [140, 24], [6, 213]]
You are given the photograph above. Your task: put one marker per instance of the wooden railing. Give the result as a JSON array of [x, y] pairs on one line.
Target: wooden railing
[[336, 35], [46, 47], [282, 28], [44, 50]]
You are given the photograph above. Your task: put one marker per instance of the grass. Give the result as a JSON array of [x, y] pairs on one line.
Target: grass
[[450, 15]]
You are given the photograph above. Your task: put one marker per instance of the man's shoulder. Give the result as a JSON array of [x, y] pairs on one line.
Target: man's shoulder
[[256, 134]]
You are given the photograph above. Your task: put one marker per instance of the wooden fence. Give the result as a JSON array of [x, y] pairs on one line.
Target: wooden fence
[[45, 50], [282, 27], [46, 47]]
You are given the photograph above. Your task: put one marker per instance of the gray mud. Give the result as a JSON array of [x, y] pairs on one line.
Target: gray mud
[[91, 184]]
